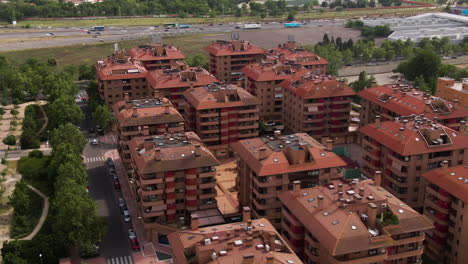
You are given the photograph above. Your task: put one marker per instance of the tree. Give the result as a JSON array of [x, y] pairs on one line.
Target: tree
[[389, 55], [75, 219], [86, 72], [326, 39], [102, 117], [70, 134], [12, 252], [198, 60], [9, 140], [58, 85], [332, 55], [347, 56], [379, 54], [362, 83], [64, 110], [20, 199], [291, 16]]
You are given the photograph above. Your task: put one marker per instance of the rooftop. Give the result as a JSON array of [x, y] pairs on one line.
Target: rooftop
[[317, 86], [452, 179], [156, 51], [233, 47], [170, 152], [254, 241], [119, 66], [293, 53], [272, 72], [146, 111], [405, 100], [350, 216], [415, 135], [461, 86], [285, 154], [218, 95], [192, 77]]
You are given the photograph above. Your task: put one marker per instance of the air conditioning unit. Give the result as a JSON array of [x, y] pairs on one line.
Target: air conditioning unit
[[214, 256], [207, 242], [384, 205]]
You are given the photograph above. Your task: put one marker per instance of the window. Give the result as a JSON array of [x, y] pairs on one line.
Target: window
[[419, 157], [312, 173], [279, 188], [372, 252], [418, 168], [417, 178]]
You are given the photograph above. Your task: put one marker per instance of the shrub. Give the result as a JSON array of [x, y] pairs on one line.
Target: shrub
[[13, 123], [52, 62], [2, 111], [9, 140], [36, 154], [15, 103], [14, 112]]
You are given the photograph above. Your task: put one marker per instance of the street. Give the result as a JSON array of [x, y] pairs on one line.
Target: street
[[115, 246]]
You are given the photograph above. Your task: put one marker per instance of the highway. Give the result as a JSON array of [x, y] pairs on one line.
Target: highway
[[18, 39]]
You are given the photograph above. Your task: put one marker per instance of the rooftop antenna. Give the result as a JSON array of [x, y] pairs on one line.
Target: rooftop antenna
[[291, 38], [116, 47], [156, 38]]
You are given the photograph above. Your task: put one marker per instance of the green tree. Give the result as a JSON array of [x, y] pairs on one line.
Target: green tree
[[9, 140], [20, 199], [103, 117], [389, 55], [70, 134], [347, 56], [291, 16], [362, 83], [13, 252], [332, 55], [58, 85], [198, 60], [379, 54], [86, 72], [64, 110]]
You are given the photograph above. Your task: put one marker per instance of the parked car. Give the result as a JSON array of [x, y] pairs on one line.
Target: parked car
[[91, 130], [127, 217], [131, 234], [100, 130], [111, 170], [122, 205], [116, 184], [135, 244], [94, 141]]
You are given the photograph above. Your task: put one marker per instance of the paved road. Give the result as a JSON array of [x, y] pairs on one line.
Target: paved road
[[115, 244], [17, 39]]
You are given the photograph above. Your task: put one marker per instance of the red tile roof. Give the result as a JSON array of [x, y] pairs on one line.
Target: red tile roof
[[295, 54], [406, 101], [453, 180], [413, 141], [162, 79], [208, 97], [148, 111], [234, 47], [278, 161], [341, 230], [119, 66], [147, 52], [317, 86], [193, 241], [262, 72]]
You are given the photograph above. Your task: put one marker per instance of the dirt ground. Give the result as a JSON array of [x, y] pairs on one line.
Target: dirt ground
[[307, 35]]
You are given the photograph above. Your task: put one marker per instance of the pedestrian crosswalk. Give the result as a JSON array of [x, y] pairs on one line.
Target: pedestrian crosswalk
[[120, 260], [95, 159]]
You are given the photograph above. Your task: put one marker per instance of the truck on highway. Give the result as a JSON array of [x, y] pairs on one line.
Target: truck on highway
[[184, 26], [97, 28], [292, 24], [252, 26]]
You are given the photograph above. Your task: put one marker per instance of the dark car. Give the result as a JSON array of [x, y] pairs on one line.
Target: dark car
[[166, 29], [135, 244], [110, 162], [116, 184], [100, 130], [91, 130]]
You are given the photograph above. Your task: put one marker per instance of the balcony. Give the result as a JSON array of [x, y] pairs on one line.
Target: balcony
[[367, 259], [207, 195], [406, 254], [207, 185], [248, 111], [436, 206], [150, 192], [149, 203], [208, 114], [246, 135], [150, 181], [207, 174], [414, 239], [247, 118]]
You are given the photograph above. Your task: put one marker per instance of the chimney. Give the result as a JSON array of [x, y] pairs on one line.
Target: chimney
[[296, 186], [135, 112], [229, 245], [371, 214], [361, 191], [377, 178], [262, 153], [329, 144], [221, 95], [401, 133], [248, 259], [445, 164], [270, 259], [157, 154], [463, 127], [236, 232], [320, 202], [148, 145], [197, 150], [126, 97], [194, 222], [340, 194], [340, 186], [246, 214], [145, 131], [377, 120], [277, 134], [249, 241]]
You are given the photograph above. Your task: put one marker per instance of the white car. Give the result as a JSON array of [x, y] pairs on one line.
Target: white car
[[94, 141], [127, 217]]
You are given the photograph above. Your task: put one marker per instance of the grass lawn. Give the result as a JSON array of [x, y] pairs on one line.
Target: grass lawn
[[196, 20], [23, 225], [78, 54]]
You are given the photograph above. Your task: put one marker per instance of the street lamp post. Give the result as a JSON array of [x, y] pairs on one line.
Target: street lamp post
[[40, 257]]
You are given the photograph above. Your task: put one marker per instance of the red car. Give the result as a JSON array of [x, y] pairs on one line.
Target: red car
[[116, 184], [135, 244]]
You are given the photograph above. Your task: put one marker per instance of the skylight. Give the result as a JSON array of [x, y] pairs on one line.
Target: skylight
[[325, 213], [401, 211], [335, 222], [452, 174], [275, 160], [311, 200], [305, 194], [353, 227]]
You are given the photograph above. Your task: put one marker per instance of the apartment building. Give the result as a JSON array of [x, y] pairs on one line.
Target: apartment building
[[407, 148], [119, 75], [450, 89], [221, 114], [354, 222], [227, 58], [158, 56], [446, 204], [172, 83], [263, 80], [173, 176], [395, 100], [144, 117], [292, 52], [246, 242], [267, 167], [319, 105]]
